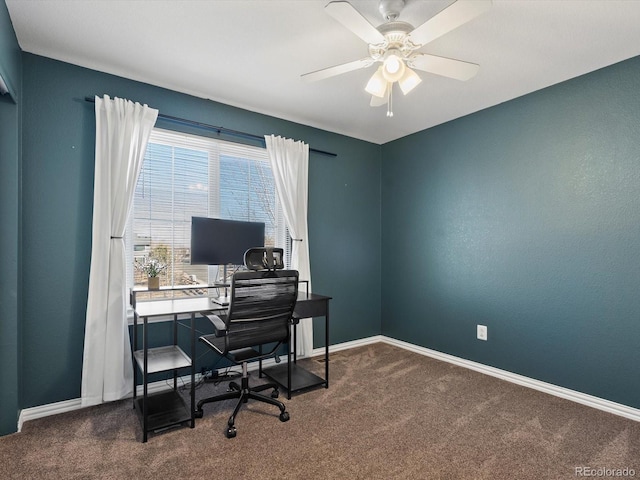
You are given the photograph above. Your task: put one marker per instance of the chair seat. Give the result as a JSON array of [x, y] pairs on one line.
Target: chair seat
[[237, 356], [244, 354]]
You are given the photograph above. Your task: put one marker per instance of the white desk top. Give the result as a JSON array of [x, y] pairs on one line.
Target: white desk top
[[188, 305], [176, 306]]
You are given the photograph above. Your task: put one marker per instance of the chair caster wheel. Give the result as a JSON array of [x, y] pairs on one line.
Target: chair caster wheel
[[284, 416], [275, 393], [198, 413], [231, 432]]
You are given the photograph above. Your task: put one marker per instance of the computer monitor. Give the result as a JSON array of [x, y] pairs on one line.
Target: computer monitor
[[215, 241]]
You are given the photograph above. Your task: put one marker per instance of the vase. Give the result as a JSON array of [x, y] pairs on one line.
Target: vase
[[153, 283]]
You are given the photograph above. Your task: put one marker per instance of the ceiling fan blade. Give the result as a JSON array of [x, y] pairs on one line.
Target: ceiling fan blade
[[446, 67], [336, 70], [354, 21], [448, 19]]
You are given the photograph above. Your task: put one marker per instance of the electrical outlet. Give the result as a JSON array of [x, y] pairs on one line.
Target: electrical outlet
[[482, 332]]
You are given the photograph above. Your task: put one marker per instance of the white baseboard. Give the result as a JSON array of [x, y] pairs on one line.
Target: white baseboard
[[578, 397], [347, 345], [46, 410]]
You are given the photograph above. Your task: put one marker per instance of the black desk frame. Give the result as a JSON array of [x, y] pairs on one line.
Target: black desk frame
[[292, 377], [165, 409]]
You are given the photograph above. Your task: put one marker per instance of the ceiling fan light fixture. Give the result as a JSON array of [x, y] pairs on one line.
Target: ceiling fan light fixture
[[377, 85], [395, 45], [393, 66], [409, 81]]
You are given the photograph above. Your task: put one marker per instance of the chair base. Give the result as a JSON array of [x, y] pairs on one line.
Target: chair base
[[243, 393]]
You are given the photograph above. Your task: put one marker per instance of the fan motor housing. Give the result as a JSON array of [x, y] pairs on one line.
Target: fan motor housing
[[401, 28], [396, 37]]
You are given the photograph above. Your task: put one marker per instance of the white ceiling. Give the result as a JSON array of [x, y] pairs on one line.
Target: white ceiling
[[251, 54]]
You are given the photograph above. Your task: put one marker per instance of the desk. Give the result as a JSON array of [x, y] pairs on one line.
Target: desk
[[168, 408]]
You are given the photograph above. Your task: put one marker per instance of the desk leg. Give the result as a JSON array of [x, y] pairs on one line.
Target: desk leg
[[289, 360], [145, 377], [326, 347], [175, 342], [193, 370], [295, 342], [133, 359]]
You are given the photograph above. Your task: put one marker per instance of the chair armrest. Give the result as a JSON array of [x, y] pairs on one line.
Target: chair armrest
[[218, 325]]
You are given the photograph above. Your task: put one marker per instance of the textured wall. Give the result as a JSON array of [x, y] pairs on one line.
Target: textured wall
[[11, 72], [526, 218], [58, 157]]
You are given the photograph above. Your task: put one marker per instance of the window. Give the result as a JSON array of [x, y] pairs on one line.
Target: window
[[186, 175]]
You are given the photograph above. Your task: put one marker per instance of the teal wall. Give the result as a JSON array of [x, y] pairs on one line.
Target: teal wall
[[11, 72], [524, 217], [58, 165]]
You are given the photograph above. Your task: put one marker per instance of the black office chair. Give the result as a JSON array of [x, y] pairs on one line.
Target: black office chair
[[261, 307]]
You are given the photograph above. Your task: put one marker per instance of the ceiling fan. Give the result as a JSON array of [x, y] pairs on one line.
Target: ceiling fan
[[395, 45]]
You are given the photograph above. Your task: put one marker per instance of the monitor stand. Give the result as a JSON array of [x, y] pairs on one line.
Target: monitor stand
[[223, 300]]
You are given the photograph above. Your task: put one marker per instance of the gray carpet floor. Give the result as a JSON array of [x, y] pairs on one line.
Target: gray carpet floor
[[388, 414]]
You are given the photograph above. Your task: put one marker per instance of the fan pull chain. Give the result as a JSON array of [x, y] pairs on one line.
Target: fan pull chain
[[389, 99]]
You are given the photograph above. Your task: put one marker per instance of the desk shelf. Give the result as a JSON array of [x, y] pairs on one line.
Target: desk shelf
[[164, 410], [161, 359], [301, 378]]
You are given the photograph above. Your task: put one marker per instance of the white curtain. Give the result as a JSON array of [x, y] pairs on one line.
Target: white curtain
[[122, 133], [290, 164]]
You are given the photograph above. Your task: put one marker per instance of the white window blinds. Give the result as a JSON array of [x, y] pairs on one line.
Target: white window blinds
[[187, 175]]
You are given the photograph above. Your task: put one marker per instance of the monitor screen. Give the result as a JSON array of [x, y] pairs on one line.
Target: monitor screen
[[219, 242]]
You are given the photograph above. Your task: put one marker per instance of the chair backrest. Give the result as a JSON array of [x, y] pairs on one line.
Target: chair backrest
[[261, 307], [264, 258]]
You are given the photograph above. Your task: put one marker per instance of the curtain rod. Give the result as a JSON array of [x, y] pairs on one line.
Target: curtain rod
[[226, 131]]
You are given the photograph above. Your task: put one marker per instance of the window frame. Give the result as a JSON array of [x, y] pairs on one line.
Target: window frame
[[216, 149]]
